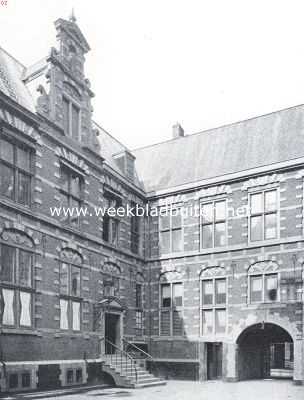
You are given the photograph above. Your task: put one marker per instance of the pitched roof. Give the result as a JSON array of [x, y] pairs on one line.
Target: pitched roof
[[11, 84], [109, 147], [256, 142]]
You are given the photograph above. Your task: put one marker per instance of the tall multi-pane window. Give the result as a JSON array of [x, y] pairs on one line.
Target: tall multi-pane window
[[16, 287], [110, 223], [71, 194], [264, 215], [213, 306], [263, 288], [170, 230], [70, 296], [71, 118], [213, 229], [139, 309], [171, 309], [135, 231], [16, 172]]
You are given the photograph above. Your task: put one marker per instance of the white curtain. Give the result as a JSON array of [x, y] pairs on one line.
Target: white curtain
[[8, 311], [25, 304]]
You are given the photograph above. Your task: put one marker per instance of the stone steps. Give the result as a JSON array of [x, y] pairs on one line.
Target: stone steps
[[122, 372]]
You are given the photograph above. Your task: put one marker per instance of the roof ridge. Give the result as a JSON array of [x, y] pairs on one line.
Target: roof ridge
[[14, 58], [112, 137], [210, 130]]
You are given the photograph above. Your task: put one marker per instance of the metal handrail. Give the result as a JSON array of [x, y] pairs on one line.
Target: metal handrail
[[121, 363], [142, 351]]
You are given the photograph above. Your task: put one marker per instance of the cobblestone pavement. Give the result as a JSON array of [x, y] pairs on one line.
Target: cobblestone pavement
[[185, 390]]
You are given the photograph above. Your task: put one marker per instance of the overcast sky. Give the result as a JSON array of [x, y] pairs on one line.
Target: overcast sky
[[203, 63]]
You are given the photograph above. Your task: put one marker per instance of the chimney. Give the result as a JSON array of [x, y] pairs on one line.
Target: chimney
[[177, 130]]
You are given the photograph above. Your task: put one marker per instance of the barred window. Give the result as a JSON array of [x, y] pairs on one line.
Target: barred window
[[171, 309], [139, 325]]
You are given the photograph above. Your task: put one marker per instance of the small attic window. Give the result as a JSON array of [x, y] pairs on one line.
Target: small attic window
[[125, 162], [72, 49]]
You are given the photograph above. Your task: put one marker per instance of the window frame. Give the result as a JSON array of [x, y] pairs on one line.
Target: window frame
[[112, 220], [169, 210], [71, 197], [264, 213], [17, 288], [204, 202], [112, 282], [139, 322], [71, 104], [70, 298], [264, 276], [214, 306], [172, 308], [135, 222], [17, 170]]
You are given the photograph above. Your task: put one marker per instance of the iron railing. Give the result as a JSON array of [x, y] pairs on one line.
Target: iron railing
[[147, 356], [122, 361]]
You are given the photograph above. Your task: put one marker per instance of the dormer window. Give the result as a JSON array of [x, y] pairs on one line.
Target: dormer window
[[71, 118], [72, 49]]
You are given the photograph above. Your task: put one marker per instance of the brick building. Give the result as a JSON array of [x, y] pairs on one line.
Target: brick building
[[211, 290]]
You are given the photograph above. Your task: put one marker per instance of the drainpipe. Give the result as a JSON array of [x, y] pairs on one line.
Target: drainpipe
[[2, 359], [150, 277]]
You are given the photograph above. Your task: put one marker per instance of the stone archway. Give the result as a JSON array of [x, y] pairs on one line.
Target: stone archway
[[265, 350]]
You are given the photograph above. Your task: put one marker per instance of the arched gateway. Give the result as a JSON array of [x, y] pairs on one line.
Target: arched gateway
[[265, 350]]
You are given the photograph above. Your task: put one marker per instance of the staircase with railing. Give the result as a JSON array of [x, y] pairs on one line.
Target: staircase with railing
[[124, 368]]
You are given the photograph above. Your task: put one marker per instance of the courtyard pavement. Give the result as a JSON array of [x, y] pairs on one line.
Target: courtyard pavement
[[186, 390]]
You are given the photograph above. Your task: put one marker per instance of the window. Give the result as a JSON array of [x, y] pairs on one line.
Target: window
[[78, 375], [139, 322], [25, 380], [74, 376], [213, 306], [171, 307], [138, 296], [19, 380], [15, 172], [71, 118], [139, 309], [135, 232], [16, 288], [110, 286], [71, 194], [70, 292], [263, 288], [70, 376], [213, 229], [110, 220], [263, 215], [13, 381], [170, 230]]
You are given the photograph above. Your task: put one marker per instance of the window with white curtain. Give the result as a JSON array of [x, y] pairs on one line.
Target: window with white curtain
[[16, 286]]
